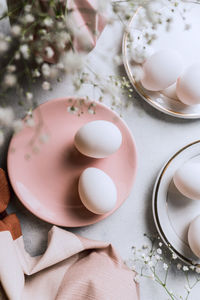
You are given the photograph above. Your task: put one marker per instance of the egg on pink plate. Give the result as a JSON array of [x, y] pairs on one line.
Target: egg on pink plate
[[193, 236], [188, 88], [98, 139], [161, 70], [97, 191]]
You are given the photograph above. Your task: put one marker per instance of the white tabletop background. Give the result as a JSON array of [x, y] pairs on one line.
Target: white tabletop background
[[157, 137]]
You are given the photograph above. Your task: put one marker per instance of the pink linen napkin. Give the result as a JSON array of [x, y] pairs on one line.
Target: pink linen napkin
[[72, 268]]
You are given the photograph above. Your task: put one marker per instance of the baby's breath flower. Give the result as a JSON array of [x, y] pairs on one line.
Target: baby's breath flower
[[46, 86], [36, 73], [3, 45], [165, 266], [48, 22], [10, 80], [46, 71], [29, 96], [159, 251], [29, 18], [185, 268], [72, 61], [174, 256], [24, 49], [16, 30], [158, 257], [179, 266], [6, 116], [49, 52], [27, 8], [11, 68]]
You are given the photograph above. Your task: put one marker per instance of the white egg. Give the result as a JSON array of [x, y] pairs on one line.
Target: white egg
[[97, 191], [193, 236], [187, 88], [187, 180], [170, 92], [98, 139], [162, 70]]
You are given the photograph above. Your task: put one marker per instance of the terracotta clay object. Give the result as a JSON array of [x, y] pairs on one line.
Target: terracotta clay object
[[11, 223], [4, 191]]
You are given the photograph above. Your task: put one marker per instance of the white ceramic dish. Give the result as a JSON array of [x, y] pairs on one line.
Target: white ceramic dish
[[177, 38], [171, 210]]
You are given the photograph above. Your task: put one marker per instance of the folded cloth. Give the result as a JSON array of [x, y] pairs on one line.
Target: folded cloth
[[72, 268]]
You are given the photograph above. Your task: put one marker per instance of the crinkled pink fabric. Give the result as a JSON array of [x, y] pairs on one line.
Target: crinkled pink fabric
[[72, 268]]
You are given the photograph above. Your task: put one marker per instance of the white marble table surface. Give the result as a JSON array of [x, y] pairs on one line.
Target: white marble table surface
[[157, 137]]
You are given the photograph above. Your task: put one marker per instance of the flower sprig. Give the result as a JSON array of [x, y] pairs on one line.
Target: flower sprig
[[156, 261]]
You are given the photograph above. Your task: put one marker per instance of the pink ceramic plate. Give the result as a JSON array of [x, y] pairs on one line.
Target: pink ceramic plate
[[44, 174]]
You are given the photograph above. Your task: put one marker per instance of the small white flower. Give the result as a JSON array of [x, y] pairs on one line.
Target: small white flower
[[185, 268], [49, 52], [179, 266], [46, 86], [16, 30], [138, 75], [46, 71], [159, 251], [151, 263], [72, 61], [24, 49], [31, 37], [174, 256], [145, 246], [48, 22], [17, 55], [39, 60], [27, 8], [62, 39], [10, 80], [36, 73], [141, 52], [160, 244], [29, 18], [6, 116], [158, 257], [29, 96], [11, 68], [3, 45], [165, 266], [1, 138], [192, 268]]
